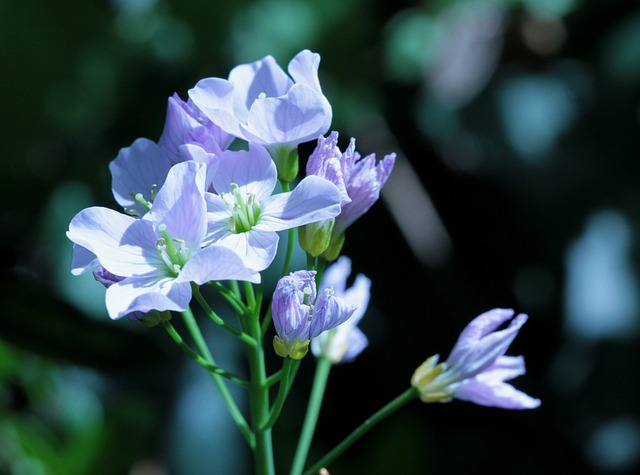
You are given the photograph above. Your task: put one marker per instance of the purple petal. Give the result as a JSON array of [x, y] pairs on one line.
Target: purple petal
[[329, 312], [252, 171], [479, 346], [137, 169], [304, 69], [257, 249], [123, 245], [297, 117], [200, 155], [488, 389], [146, 293], [180, 204], [290, 312], [314, 199], [82, 260], [216, 263], [215, 98], [260, 77]]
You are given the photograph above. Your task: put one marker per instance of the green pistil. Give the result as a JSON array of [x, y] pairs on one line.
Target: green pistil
[[173, 257], [245, 213]]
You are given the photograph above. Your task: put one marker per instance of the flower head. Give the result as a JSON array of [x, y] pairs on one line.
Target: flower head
[[262, 104], [156, 256], [245, 216], [358, 179], [346, 341], [477, 369], [299, 315]]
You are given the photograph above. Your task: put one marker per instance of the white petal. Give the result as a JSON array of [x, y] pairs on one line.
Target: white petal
[[216, 263]]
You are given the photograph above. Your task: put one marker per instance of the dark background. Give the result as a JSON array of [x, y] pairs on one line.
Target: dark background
[[517, 185]]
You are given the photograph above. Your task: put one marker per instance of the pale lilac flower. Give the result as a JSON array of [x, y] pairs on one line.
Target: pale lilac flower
[[346, 341], [159, 255], [244, 215], [261, 104], [137, 173], [358, 179], [477, 369], [185, 124], [299, 316]]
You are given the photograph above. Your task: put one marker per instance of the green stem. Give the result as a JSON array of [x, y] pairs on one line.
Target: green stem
[[199, 359], [219, 321], [311, 262], [202, 347], [231, 297], [291, 236], [289, 370], [323, 368], [259, 389], [274, 378], [397, 403]]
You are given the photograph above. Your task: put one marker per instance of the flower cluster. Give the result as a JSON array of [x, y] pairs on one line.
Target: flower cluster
[[204, 205]]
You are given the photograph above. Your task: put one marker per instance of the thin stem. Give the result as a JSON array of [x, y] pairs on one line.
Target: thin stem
[[397, 403], [202, 347], [291, 236], [323, 367], [266, 321], [274, 378], [199, 359], [259, 389], [289, 370], [311, 262], [231, 297], [219, 321]]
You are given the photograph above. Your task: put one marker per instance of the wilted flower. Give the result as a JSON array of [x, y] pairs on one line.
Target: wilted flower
[[298, 316], [158, 255], [346, 341], [358, 179], [477, 369]]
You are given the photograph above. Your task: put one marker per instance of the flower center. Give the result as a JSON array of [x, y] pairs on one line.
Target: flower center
[[173, 252], [245, 213], [140, 199]]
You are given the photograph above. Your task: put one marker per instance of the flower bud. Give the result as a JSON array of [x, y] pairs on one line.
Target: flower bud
[[315, 238]]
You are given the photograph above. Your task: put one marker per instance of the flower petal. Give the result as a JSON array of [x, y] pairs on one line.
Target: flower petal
[[215, 98], [123, 245], [252, 171], [297, 117], [216, 263], [137, 169], [494, 392], [479, 345], [264, 76], [146, 293], [314, 199], [256, 248], [329, 312], [82, 260], [180, 204]]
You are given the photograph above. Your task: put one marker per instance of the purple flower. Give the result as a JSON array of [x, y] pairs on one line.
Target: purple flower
[[159, 255], [185, 124], [346, 341], [262, 104], [299, 316], [477, 369], [358, 179], [244, 215]]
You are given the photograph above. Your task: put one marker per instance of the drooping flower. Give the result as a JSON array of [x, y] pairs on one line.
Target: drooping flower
[[477, 369], [299, 316], [358, 179], [346, 341], [261, 104], [244, 215], [158, 255]]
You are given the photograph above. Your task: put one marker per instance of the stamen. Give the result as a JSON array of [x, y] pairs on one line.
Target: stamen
[[262, 95]]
